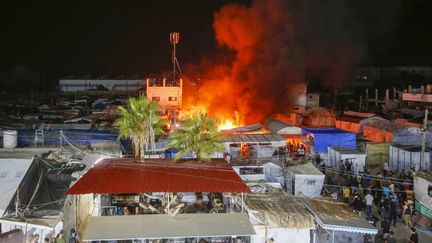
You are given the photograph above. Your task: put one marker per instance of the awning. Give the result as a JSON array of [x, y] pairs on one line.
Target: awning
[[162, 226]]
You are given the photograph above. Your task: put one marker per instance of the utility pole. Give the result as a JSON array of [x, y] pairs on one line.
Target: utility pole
[[174, 39], [423, 144]]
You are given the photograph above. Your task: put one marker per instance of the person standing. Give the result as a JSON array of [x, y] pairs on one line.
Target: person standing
[[414, 236], [60, 237], [73, 236], [346, 194], [407, 212], [392, 212], [390, 238], [357, 205], [369, 201]]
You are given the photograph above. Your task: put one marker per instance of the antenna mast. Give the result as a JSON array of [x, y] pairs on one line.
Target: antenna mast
[[174, 39]]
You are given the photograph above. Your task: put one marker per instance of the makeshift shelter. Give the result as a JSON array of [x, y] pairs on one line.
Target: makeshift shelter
[[423, 196], [322, 138], [377, 154], [411, 136], [336, 154], [376, 129], [406, 123], [280, 127], [319, 118], [279, 216], [337, 222], [304, 180], [250, 147], [274, 173], [349, 124], [41, 199], [404, 158], [12, 173], [113, 178]]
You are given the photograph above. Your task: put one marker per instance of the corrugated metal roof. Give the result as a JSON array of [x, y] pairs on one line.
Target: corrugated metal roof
[[253, 138], [117, 176]]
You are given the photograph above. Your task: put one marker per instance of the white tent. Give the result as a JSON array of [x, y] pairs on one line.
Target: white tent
[[274, 173], [423, 192], [404, 158], [338, 153], [304, 180], [12, 171]]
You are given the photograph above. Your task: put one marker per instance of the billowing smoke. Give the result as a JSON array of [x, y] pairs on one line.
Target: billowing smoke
[[269, 52]]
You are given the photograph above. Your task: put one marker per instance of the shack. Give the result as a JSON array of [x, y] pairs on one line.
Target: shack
[[279, 216], [244, 148], [304, 180], [337, 222], [376, 129], [338, 153], [322, 138]]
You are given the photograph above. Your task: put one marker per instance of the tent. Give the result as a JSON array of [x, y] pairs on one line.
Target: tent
[[274, 173], [322, 138], [338, 153], [376, 154], [12, 172], [319, 118], [411, 136], [304, 179], [377, 129], [404, 158]]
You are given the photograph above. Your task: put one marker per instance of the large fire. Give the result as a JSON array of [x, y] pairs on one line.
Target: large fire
[[226, 125]]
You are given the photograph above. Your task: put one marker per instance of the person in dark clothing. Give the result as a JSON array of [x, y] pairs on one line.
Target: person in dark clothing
[[392, 212], [318, 159], [385, 225], [414, 236], [357, 204], [390, 238]]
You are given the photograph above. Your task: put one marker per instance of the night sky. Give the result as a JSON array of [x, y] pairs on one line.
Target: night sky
[[58, 38]]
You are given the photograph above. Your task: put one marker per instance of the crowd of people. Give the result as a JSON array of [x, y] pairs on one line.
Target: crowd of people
[[382, 198]]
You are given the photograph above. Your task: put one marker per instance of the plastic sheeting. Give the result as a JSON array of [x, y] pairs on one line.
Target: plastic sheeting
[[12, 171], [404, 158], [281, 235], [48, 191], [336, 154], [326, 137], [411, 136], [274, 173], [304, 180]]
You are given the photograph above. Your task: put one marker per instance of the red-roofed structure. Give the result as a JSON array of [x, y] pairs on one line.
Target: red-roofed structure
[[121, 176]]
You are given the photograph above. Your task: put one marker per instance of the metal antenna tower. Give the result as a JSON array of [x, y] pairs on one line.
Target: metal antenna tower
[[174, 39]]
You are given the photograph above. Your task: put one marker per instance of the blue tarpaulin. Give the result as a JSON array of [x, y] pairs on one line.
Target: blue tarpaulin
[[326, 137]]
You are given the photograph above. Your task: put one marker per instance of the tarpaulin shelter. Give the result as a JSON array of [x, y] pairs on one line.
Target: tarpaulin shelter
[[349, 124], [280, 127], [304, 180], [319, 118], [338, 153], [376, 129], [411, 136], [377, 154], [274, 173], [404, 158], [322, 138], [12, 171]]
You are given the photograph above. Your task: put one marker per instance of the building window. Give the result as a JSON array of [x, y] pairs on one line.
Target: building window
[[155, 98], [172, 98]]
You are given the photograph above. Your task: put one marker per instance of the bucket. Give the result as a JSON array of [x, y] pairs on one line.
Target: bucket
[[10, 138]]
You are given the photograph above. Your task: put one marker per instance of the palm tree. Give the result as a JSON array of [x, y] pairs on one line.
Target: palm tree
[[198, 134], [140, 122]]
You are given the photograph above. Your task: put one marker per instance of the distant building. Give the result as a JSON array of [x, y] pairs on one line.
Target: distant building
[[71, 85], [168, 95]]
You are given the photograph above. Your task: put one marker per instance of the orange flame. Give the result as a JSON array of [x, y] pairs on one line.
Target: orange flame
[[226, 125]]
